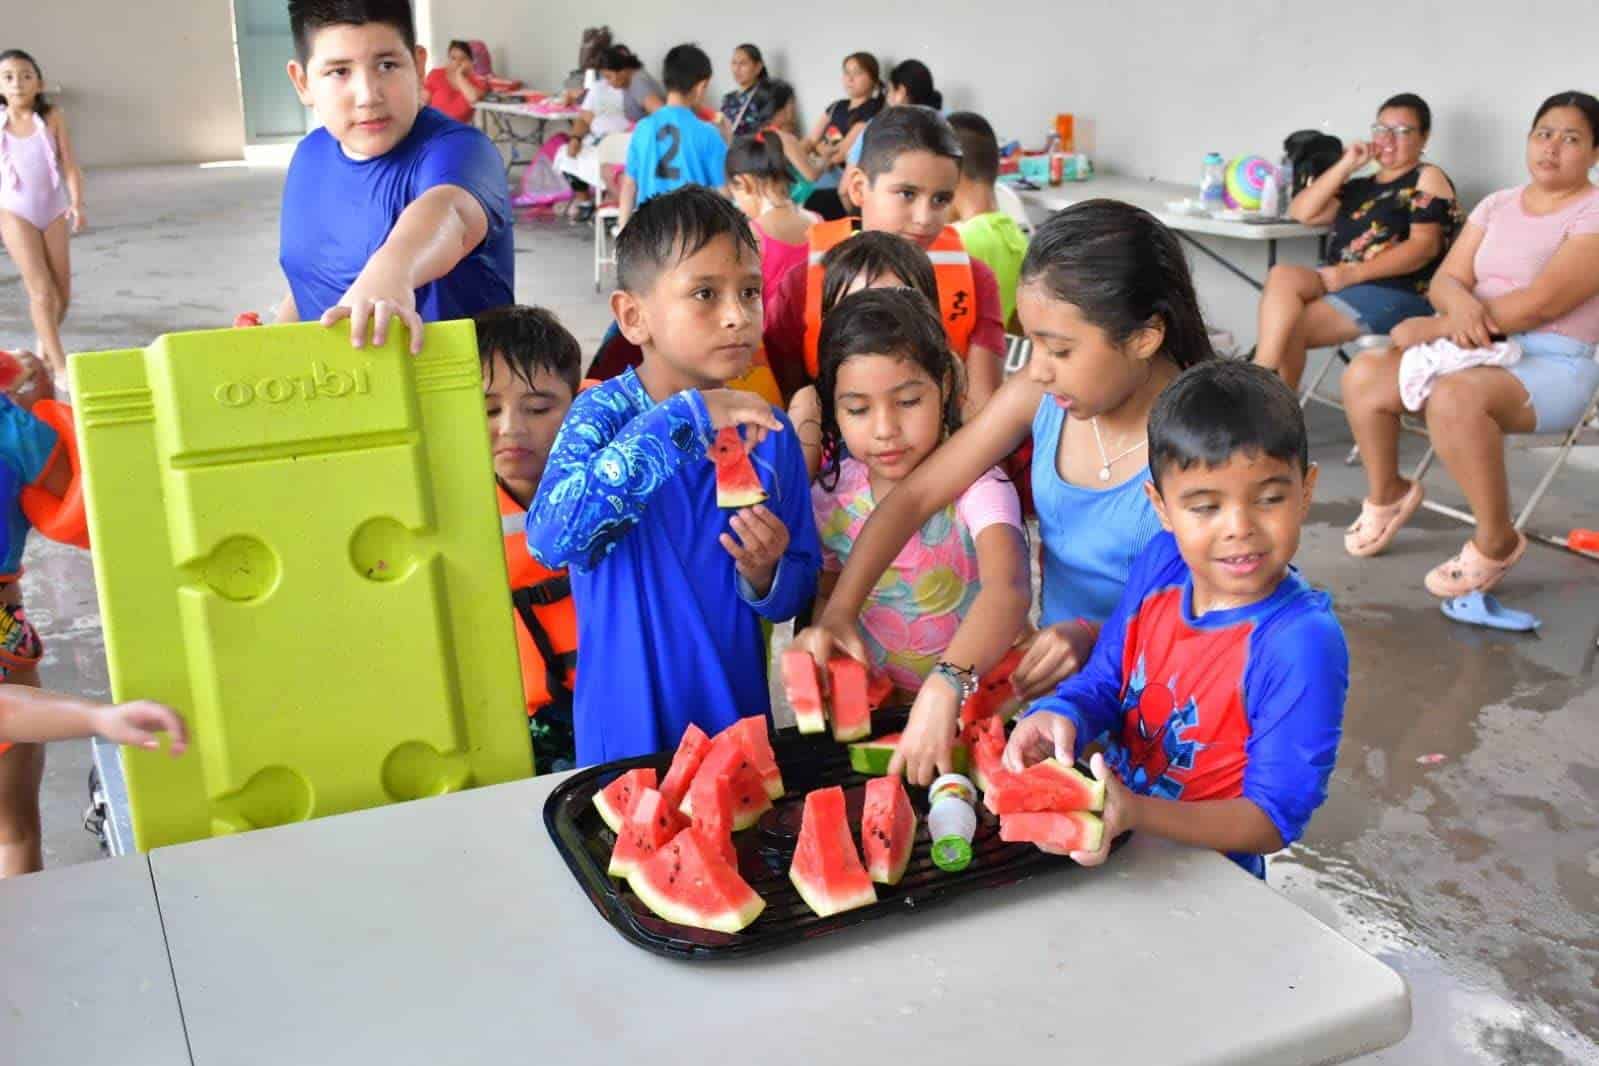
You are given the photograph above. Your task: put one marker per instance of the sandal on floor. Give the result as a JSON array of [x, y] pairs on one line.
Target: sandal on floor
[[1378, 524], [1472, 571], [1481, 609]]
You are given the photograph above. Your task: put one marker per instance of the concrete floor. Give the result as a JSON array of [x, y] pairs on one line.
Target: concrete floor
[[1461, 840]]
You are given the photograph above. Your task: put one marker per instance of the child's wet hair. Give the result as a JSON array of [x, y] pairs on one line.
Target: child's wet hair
[[685, 67], [872, 255], [1122, 269], [899, 130], [1222, 408], [41, 106], [892, 322], [309, 17], [670, 228], [759, 156], [529, 339]]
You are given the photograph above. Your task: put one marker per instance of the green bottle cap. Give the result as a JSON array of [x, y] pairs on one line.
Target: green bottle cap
[[951, 854]]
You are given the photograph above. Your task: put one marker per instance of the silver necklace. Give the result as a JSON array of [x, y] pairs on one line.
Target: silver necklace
[[1104, 458]]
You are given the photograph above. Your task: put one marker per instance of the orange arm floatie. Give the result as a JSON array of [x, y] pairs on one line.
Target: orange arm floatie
[[61, 518]]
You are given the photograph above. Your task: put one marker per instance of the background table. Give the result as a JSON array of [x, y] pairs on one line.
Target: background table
[[1153, 196], [450, 930], [84, 974], [500, 119]]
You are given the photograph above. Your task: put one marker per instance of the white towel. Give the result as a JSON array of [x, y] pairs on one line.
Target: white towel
[[1424, 364]]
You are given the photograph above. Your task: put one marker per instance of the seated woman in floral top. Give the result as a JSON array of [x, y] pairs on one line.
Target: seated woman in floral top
[[1389, 233]]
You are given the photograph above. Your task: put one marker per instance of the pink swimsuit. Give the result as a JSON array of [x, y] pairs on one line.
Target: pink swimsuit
[[30, 177]]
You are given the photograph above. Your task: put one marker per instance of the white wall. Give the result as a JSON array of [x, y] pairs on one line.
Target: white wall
[[1160, 83], [147, 82]]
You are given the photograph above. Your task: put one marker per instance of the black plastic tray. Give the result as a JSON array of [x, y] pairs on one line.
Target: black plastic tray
[[764, 851]]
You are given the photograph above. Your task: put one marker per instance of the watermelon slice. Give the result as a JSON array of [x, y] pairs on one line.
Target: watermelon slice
[[687, 881], [851, 711], [711, 797], [1050, 785], [804, 691], [871, 757], [752, 737], [826, 869], [649, 825], [994, 694], [750, 800], [1068, 831], [879, 689], [617, 798], [986, 739], [691, 751], [888, 828], [245, 319], [736, 482]]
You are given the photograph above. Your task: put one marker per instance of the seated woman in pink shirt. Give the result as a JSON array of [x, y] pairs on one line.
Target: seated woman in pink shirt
[[1526, 267], [453, 88]]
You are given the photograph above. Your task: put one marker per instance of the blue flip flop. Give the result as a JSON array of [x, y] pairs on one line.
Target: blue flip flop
[[1481, 609]]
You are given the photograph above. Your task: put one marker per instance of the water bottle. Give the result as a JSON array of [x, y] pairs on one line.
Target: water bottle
[[1213, 183], [1270, 200], [952, 821]]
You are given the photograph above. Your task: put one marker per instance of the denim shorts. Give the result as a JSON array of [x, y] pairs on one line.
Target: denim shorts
[[1378, 308], [1560, 376]]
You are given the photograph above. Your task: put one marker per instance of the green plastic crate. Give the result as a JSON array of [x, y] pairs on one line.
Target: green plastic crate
[[297, 544]]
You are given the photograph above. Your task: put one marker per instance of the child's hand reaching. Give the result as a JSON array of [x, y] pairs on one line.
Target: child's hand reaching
[[1055, 653], [138, 724], [1039, 736], [735, 407], [762, 540], [924, 748], [379, 296], [826, 638]]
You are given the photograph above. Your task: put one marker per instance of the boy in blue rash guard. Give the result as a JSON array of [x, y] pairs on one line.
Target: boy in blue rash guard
[[670, 590], [1219, 682], [391, 210]]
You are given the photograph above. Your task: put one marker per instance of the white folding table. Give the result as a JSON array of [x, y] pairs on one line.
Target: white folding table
[[500, 122], [84, 973], [1154, 196], [450, 930]]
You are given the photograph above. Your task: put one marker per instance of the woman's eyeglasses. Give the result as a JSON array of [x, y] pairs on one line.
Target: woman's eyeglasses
[[1380, 132]]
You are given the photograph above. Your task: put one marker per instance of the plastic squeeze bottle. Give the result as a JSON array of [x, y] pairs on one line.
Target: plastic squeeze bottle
[[952, 821]]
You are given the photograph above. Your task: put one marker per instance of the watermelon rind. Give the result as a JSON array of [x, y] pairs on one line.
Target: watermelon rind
[[736, 916], [825, 906], [810, 722], [871, 757]]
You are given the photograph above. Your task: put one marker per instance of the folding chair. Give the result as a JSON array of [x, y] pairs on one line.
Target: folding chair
[[612, 153], [1010, 203], [1562, 442], [1017, 351]]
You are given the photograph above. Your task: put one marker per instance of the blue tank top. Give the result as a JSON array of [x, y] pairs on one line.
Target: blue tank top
[[1090, 536]]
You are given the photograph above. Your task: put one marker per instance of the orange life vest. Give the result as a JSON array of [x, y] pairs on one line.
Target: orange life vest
[[546, 636], [952, 267]]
